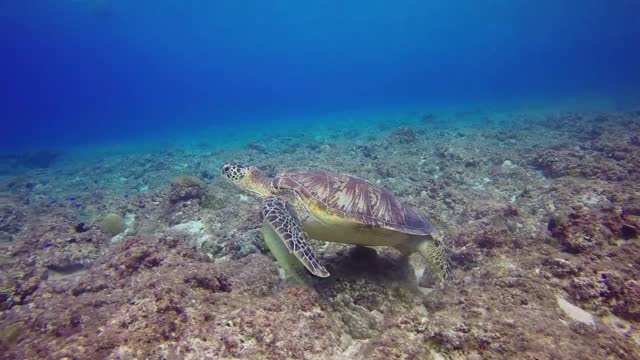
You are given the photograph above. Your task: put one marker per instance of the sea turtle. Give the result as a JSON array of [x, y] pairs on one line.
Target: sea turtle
[[303, 204]]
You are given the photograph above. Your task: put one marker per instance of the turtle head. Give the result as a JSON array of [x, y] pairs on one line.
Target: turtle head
[[249, 178]]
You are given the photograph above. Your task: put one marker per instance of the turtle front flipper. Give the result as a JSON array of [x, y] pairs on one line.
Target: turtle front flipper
[[436, 258], [287, 240]]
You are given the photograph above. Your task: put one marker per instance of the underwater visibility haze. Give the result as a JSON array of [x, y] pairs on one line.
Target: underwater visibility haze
[[320, 180], [85, 70]]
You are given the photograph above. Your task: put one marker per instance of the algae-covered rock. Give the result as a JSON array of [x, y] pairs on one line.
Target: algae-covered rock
[[185, 188], [10, 333], [213, 202], [112, 224], [628, 304], [360, 322], [251, 242], [12, 220]]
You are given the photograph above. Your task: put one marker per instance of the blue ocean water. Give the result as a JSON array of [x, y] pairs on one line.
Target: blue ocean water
[[500, 141], [94, 71]]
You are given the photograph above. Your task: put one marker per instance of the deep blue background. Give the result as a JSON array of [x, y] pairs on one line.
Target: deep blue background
[[84, 71]]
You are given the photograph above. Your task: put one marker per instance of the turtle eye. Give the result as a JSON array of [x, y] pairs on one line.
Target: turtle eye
[[226, 168]]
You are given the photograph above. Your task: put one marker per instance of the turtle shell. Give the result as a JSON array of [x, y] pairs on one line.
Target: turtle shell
[[353, 198]]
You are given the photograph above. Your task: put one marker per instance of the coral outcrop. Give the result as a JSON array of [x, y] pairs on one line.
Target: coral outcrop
[[185, 188]]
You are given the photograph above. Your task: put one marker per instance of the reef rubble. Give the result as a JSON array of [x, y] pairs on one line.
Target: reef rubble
[[541, 218]]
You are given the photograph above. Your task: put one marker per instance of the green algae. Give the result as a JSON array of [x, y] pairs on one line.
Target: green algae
[[10, 334], [112, 224], [213, 202]]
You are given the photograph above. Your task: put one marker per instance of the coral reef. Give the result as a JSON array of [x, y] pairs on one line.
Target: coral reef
[[584, 229], [541, 218], [12, 219], [360, 322], [185, 188], [404, 135], [155, 298]]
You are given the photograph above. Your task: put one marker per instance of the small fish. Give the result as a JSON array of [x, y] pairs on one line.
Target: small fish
[[47, 245], [77, 205], [53, 202], [71, 199]]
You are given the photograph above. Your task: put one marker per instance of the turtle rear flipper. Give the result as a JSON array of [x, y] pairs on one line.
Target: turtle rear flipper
[[287, 240]]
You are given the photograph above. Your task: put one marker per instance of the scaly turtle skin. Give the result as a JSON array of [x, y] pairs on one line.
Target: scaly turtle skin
[[328, 206]]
